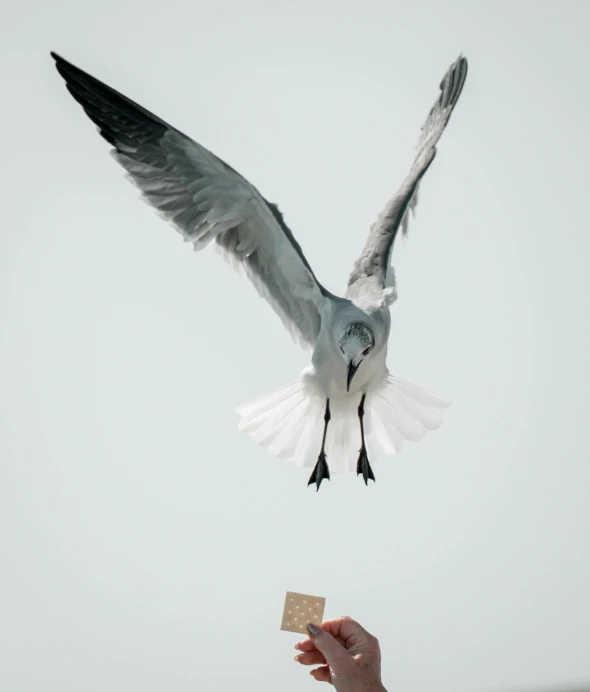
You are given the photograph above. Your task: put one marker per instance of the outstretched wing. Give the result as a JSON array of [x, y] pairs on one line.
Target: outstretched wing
[[205, 200], [370, 272]]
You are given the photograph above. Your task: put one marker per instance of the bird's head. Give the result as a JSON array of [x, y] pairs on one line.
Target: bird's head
[[356, 342]]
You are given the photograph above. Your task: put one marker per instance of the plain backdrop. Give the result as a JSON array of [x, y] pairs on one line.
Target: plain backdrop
[[146, 543]]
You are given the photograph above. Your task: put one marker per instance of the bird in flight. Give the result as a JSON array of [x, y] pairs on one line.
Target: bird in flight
[[345, 406]]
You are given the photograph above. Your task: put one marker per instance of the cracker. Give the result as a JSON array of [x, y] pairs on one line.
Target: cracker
[[300, 609]]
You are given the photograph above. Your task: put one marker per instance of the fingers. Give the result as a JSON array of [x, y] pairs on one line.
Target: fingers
[[344, 651], [344, 628], [321, 674], [305, 645], [311, 658], [334, 652], [308, 645], [356, 639]]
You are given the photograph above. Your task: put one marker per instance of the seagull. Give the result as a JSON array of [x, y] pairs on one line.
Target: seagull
[[345, 406]]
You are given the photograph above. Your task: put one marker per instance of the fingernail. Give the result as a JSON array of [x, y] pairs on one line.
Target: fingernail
[[313, 630]]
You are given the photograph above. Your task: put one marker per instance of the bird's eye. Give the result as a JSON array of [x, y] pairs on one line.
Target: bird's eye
[[366, 351]]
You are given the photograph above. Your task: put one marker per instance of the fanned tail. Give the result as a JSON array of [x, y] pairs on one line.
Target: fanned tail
[[290, 421], [399, 411]]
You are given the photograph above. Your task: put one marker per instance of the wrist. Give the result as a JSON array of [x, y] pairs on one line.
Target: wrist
[[367, 686], [375, 687]]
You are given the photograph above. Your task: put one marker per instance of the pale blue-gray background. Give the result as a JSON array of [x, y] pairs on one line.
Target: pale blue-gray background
[[146, 542]]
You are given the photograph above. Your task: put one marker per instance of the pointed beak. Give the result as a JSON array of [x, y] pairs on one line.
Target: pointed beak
[[352, 368]]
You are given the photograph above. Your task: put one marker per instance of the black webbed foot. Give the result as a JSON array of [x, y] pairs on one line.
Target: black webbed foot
[[320, 472], [363, 466]]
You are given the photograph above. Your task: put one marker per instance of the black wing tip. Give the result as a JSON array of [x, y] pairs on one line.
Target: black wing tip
[[462, 66], [65, 68], [72, 73], [58, 59], [84, 84], [452, 83]]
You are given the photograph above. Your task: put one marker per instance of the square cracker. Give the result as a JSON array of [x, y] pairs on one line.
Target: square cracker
[[300, 609]]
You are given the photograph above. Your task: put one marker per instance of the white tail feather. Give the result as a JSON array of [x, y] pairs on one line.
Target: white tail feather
[[290, 422]]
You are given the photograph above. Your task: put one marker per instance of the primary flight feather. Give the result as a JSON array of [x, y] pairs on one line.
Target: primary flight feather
[[345, 404]]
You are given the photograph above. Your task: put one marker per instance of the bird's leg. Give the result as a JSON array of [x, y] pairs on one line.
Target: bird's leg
[[362, 465], [321, 470]]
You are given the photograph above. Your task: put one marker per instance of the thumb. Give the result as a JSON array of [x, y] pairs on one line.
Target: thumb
[[334, 653]]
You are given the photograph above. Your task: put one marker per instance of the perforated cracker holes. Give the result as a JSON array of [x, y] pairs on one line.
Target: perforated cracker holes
[[300, 609]]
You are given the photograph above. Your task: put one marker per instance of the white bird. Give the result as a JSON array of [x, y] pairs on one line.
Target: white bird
[[345, 403]]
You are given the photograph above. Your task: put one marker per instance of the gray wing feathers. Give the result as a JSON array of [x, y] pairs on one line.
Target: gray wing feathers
[[217, 206], [291, 309], [372, 268], [188, 187], [205, 200]]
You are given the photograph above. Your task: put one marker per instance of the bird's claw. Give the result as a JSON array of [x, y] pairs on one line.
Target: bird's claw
[[363, 466], [320, 471]]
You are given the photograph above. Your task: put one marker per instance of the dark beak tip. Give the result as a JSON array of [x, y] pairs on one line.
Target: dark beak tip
[[351, 370]]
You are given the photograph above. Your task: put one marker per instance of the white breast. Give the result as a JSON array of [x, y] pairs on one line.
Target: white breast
[[329, 371]]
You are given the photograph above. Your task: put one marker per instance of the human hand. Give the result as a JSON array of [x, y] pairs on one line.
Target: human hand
[[348, 655]]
